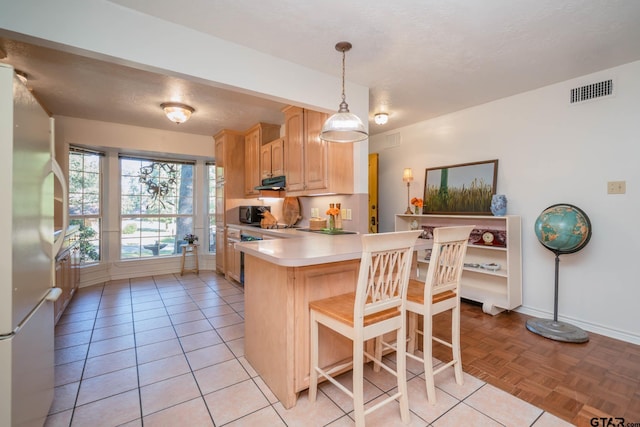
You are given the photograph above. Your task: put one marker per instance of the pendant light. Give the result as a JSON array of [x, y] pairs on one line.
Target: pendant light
[[343, 126]]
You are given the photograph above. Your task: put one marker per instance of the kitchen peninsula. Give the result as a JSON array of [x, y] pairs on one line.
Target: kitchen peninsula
[[281, 277]]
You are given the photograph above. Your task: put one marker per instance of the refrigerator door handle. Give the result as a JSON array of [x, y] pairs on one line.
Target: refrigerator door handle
[[54, 294], [57, 172]]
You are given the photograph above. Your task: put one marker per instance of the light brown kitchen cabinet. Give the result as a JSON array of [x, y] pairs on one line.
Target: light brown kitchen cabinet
[[314, 166], [230, 158], [272, 159], [233, 256], [254, 139], [67, 274]]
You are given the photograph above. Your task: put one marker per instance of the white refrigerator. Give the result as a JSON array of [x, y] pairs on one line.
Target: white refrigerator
[[26, 255]]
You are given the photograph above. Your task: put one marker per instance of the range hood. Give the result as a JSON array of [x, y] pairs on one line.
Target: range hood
[[276, 183]]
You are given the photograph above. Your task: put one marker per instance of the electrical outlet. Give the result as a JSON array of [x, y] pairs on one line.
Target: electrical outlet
[[348, 214], [315, 213], [616, 187]]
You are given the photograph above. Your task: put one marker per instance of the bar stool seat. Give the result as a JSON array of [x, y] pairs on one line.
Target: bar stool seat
[[191, 248]]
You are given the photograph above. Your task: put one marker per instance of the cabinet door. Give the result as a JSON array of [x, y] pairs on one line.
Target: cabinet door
[[251, 163], [294, 154], [277, 157], [219, 159], [315, 151], [230, 259], [265, 161]]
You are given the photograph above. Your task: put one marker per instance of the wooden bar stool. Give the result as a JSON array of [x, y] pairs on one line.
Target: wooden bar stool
[[376, 308], [438, 293], [191, 248]]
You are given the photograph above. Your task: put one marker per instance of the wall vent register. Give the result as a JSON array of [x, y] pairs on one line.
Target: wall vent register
[[592, 91]]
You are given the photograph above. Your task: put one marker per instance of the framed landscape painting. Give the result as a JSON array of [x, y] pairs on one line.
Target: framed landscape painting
[[460, 189]]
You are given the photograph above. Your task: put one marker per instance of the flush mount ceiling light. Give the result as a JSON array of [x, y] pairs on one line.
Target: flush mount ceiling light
[[343, 126], [177, 112], [381, 118]]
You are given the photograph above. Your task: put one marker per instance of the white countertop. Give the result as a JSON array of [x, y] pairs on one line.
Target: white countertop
[[306, 248]]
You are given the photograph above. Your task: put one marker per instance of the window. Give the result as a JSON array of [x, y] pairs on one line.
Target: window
[[211, 179], [84, 200], [156, 206]]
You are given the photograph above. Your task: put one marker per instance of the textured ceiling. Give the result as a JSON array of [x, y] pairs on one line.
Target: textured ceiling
[[420, 58]]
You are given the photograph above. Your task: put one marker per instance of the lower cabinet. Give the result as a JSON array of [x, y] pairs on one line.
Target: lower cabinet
[[232, 255], [67, 278]]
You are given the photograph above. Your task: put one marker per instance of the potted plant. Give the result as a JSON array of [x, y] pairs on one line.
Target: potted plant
[[190, 238]]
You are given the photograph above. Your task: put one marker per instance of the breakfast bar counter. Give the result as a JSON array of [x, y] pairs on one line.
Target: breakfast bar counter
[[281, 277]]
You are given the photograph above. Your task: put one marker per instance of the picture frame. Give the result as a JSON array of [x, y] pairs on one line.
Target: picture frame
[[464, 188]]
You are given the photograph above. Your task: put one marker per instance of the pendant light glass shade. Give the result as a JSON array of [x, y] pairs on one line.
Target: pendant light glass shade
[[343, 126]]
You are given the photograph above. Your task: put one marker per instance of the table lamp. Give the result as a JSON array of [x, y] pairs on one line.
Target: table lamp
[[407, 176]]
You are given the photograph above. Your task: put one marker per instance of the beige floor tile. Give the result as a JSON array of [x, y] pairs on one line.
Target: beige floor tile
[[111, 345], [64, 397], [68, 373], [179, 305], [186, 316], [192, 413], [147, 325], [234, 402], [159, 350], [222, 375], [71, 354], [76, 317], [190, 328], [342, 399], [110, 362], [148, 299], [238, 307], [236, 347], [234, 298], [155, 335], [462, 414], [247, 366], [115, 311], [149, 314], [112, 411], [503, 407], [230, 291], [388, 415], [549, 420], [106, 385], [218, 310], [70, 340], [61, 419], [225, 320], [162, 369], [208, 356], [200, 340], [419, 404], [73, 327], [155, 304], [110, 320], [112, 331], [446, 381], [164, 394], [265, 390], [322, 412], [264, 417], [232, 332]]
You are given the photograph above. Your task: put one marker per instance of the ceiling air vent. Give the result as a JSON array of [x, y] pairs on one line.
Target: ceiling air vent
[[592, 91]]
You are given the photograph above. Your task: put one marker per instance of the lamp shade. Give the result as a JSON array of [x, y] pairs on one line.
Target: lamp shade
[[343, 127], [177, 112], [407, 175]]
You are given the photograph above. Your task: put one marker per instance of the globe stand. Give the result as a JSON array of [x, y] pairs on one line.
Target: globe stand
[[553, 329]]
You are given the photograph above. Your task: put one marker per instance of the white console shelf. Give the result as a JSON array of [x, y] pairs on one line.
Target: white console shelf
[[497, 290]]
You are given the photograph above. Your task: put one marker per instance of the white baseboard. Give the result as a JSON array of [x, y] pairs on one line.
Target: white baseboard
[[627, 336]]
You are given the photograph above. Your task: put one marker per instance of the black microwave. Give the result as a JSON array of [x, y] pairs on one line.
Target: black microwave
[[252, 214]]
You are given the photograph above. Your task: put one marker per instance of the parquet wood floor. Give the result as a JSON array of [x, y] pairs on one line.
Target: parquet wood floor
[[576, 382]]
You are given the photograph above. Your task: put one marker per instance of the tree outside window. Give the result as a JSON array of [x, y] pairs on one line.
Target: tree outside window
[[156, 206], [84, 201]]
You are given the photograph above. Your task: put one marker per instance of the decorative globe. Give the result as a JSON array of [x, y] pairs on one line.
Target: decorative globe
[[563, 228]]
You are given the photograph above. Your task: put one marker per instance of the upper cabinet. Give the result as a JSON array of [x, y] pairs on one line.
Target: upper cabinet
[[312, 165], [254, 139], [272, 159]]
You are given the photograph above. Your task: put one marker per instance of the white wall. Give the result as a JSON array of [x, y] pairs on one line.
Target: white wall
[[549, 152]]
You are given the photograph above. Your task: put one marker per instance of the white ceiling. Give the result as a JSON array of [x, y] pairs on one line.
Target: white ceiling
[[420, 58]]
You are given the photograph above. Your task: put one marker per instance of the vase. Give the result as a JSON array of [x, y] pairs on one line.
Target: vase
[[332, 222], [499, 204], [417, 210]]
